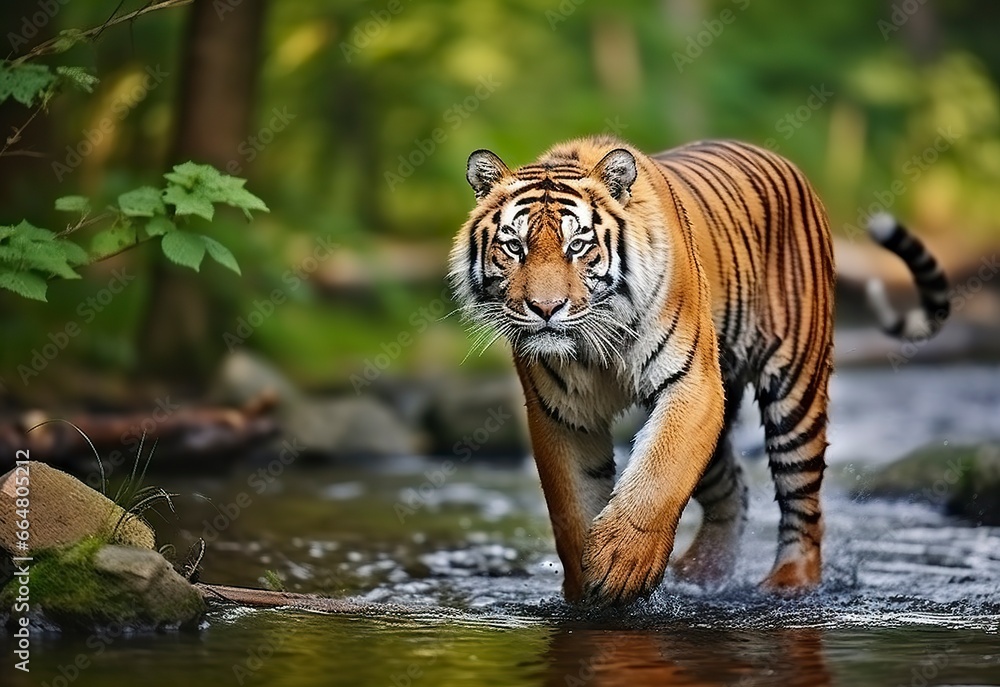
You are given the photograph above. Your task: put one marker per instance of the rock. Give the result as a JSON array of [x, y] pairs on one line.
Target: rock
[[342, 426], [91, 585], [244, 377], [478, 418], [965, 480], [62, 510], [135, 567], [355, 427], [165, 597]]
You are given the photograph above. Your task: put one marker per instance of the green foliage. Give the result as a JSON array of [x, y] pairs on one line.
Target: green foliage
[[67, 39], [78, 77], [29, 256], [78, 204], [145, 201], [159, 226], [221, 254], [184, 248], [273, 581], [30, 83], [26, 83], [195, 188], [112, 241]]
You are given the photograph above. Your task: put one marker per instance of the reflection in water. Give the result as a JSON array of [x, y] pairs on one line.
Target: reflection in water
[[683, 655]]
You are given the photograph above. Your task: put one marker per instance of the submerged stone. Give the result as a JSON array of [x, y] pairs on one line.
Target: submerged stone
[[964, 480]]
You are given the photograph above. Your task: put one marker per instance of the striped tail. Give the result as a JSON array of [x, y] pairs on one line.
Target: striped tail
[[925, 320]]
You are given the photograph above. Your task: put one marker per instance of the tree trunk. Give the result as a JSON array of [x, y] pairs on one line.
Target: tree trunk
[[182, 335]]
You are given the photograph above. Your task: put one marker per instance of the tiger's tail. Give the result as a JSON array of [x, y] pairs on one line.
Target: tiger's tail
[[923, 321]]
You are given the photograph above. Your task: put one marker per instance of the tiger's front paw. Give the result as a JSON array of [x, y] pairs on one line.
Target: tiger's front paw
[[622, 562]]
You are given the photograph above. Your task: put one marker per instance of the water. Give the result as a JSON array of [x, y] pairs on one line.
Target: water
[[910, 597]]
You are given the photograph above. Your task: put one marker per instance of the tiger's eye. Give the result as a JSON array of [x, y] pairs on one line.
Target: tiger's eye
[[513, 247]]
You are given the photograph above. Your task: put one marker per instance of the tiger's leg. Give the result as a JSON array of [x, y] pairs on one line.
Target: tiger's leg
[[629, 543], [793, 400], [576, 467], [722, 494]]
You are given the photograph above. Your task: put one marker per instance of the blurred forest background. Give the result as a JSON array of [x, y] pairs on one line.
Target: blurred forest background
[[353, 121]]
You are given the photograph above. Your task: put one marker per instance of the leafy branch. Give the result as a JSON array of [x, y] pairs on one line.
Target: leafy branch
[[34, 85], [70, 37], [30, 256]]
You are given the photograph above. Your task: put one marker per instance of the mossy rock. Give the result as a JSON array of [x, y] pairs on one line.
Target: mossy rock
[[91, 585], [965, 480]]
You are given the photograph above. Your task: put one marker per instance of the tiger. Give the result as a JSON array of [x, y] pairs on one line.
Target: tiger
[[673, 282]]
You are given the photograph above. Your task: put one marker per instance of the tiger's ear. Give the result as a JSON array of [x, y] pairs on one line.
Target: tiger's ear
[[617, 170], [483, 171]]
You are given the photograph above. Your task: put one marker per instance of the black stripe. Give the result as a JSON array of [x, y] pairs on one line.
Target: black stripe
[[932, 282], [811, 518], [550, 185], [529, 200], [724, 474], [666, 337], [676, 376], [799, 531], [560, 382], [623, 285], [716, 472], [815, 464], [607, 470], [554, 414], [925, 263], [805, 490], [791, 420], [808, 435], [896, 329], [473, 251]]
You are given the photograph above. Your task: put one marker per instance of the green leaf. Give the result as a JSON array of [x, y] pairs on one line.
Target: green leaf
[[229, 190], [27, 230], [111, 241], [75, 255], [26, 83], [184, 248], [30, 255], [206, 183], [187, 202], [50, 258], [188, 174], [80, 204], [23, 284], [142, 202], [221, 254], [27, 248], [160, 225], [78, 77]]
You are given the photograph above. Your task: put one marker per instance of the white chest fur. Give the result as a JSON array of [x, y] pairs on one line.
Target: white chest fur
[[585, 395]]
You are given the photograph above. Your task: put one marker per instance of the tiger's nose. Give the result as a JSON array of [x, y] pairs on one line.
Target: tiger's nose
[[546, 309]]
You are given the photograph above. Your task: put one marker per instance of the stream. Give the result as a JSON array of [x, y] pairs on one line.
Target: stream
[[910, 596]]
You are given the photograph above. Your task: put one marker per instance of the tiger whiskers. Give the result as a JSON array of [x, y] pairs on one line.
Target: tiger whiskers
[[487, 324]]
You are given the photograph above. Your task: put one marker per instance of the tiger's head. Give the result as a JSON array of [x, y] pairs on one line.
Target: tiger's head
[[541, 259]]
